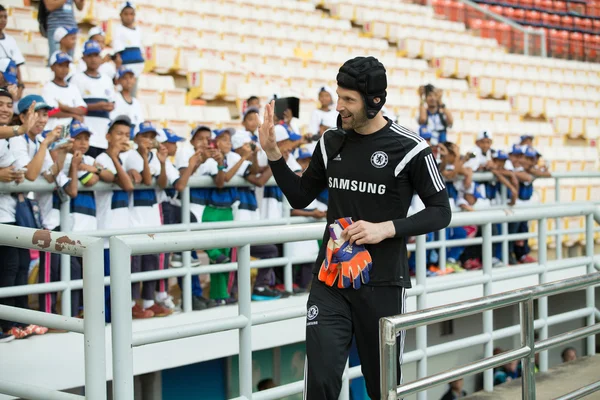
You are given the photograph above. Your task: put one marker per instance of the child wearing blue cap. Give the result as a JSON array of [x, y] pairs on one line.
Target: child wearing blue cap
[[125, 101], [503, 176], [9, 44], [127, 40], [98, 93]]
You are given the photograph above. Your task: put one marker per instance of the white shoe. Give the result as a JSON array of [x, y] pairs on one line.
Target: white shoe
[[168, 303]]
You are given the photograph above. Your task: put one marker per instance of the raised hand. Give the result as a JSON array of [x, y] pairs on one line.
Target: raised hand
[[162, 154], [53, 135], [31, 118], [266, 132], [77, 159]]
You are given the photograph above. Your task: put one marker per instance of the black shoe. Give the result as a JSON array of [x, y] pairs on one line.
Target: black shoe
[[200, 303], [221, 259], [512, 260], [262, 293]]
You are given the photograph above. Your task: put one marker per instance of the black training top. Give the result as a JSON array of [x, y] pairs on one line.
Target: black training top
[[373, 178]]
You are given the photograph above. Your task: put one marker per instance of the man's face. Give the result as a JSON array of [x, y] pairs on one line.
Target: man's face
[[69, 41], [3, 19], [200, 140], [431, 99], [171, 148], [527, 142], [484, 144], [118, 136], [251, 122], [325, 98], [145, 139], [41, 123], [570, 355], [224, 143], [61, 70], [528, 162], [499, 163], [127, 81], [457, 385], [128, 16], [351, 107], [6, 110], [81, 142], [93, 61], [515, 159]]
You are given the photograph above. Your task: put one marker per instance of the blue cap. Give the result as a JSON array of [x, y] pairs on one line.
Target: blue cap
[[9, 71], [219, 132], [26, 101], [530, 152], [523, 137], [91, 47], [294, 137], [59, 57], [146, 126], [124, 70], [172, 137], [77, 128], [516, 149], [500, 155], [303, 153]]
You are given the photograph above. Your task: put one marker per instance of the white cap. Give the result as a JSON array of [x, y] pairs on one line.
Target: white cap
[[485, 134], [96, 30], [281, 133], [63, 31], [126, 4], [239, 139], [328, 90]]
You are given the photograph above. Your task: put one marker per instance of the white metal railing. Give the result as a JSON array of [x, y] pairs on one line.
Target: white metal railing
[[389, 327], [91, 326], [123, 247]]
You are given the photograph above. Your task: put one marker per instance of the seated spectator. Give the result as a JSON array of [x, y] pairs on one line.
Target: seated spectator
[[324, 117], [32, 152], [506, 373], [569, 354], [112, 207], [456, 390], [65, 39], [503, 176], [433, 113], [80, 168], [251, 121], [125, 102], [55, 14], [108, 67], [99, 95], [127, 41], [8, 45], [143, 165], [64, 98]]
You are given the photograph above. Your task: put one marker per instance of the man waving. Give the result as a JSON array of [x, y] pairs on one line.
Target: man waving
[[371, 167]]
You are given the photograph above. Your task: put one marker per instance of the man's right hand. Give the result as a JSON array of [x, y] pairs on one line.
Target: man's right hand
[[53, 135], [31, 118], [266, 133], [9, 174]]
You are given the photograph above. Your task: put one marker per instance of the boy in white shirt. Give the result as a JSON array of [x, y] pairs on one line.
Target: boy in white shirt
[[8, 45], [98, 93], [125, 102], [66, 39], [65, 98], [127, 40], [145, 165], [108, 66], [324, 117], [31, 153], [80, 168], [112, 207]]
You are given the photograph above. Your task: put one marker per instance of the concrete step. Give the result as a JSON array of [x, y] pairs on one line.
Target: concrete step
[[558, 381]]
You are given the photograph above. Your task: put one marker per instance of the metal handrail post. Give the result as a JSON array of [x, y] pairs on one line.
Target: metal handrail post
[[421, 331], [505, 247], [527, 340], [288, 280], [544, 44], [387, 359], [543, 278], [186, 256], [245, 309], [120, 293], [487, 316], [558, 220], [93, 322], [65, 260], [525, 43], [590, 301], [442, 249]]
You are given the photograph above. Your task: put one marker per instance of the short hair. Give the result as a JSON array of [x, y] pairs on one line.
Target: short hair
[[563, 355], [265, 384], [118, 123], [251, 98], [2, 8], [248, 112]]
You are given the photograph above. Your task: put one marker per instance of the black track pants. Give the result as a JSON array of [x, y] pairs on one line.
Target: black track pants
[[333, 316]]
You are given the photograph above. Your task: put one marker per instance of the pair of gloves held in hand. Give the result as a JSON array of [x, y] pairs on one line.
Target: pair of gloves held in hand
[[347, 263]]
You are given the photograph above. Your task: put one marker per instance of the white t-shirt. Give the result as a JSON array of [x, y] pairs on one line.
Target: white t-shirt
[[83, 207], [10, 49], [8, 203], [128, 42], [479, 160], [68, 95], [112, 207], [172, 177], [199, 197], [143, 208], [271, 206], [320, 117], [133, 110], [24, 149], [95, 90]]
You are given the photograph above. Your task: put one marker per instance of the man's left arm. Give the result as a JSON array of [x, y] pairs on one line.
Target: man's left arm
[[426, 180]]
